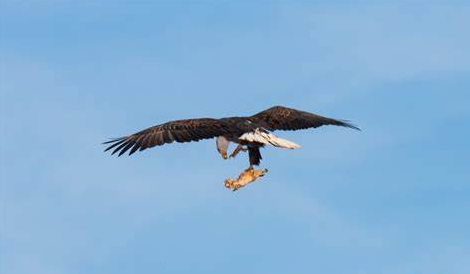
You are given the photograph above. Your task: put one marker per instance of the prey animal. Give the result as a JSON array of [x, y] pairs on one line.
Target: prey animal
[[248, 133]]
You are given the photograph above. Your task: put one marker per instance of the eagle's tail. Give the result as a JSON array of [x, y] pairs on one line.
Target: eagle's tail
[[267, 138]]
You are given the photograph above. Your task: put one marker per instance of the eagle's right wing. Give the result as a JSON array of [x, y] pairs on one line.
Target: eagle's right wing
[[282, 118], [179, 131]]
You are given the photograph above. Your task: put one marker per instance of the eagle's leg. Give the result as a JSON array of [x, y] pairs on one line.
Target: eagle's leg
[[237, 150], [248, 176]]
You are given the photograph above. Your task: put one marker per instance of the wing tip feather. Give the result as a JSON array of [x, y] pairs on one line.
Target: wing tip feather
[[119, 144], [348, 124]]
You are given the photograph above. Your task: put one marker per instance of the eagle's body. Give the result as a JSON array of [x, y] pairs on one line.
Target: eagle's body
[[250, 133], [251, 142]]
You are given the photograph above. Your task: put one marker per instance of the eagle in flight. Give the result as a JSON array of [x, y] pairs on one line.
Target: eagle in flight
[[249, 133]]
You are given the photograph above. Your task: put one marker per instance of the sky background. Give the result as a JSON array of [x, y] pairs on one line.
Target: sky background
[[393, 198]]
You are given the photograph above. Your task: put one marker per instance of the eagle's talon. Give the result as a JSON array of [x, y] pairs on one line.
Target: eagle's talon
[[264, 171]]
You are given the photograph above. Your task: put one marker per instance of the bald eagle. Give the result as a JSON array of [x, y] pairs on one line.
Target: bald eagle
[[249, 133]]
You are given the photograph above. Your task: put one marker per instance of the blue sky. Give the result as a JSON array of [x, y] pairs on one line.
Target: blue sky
[[390, 199]]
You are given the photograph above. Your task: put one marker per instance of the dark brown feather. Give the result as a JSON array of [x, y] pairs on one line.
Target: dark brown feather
[[282, 118], [180, 131]]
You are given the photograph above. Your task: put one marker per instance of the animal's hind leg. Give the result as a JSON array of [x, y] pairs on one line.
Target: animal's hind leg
[[237, 150]]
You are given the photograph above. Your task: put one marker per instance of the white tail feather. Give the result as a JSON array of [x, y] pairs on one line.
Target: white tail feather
[[267, 138]]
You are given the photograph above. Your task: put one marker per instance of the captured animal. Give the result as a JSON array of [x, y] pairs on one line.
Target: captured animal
[[249, 133]]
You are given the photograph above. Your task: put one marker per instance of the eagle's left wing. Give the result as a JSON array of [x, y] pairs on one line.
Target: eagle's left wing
[[179, 131]]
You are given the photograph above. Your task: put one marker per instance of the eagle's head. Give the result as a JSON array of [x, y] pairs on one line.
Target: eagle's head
[[222, 146]]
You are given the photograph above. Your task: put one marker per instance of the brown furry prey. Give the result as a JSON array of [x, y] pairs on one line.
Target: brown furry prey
[[249, 133]]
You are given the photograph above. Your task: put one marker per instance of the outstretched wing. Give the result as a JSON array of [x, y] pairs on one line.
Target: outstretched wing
[[179, 131], [282, 118]]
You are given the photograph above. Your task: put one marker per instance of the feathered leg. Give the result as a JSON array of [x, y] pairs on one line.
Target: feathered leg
[[255, 156], [238, 150]]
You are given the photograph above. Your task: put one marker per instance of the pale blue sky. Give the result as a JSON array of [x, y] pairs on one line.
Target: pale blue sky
[[393, 198]]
